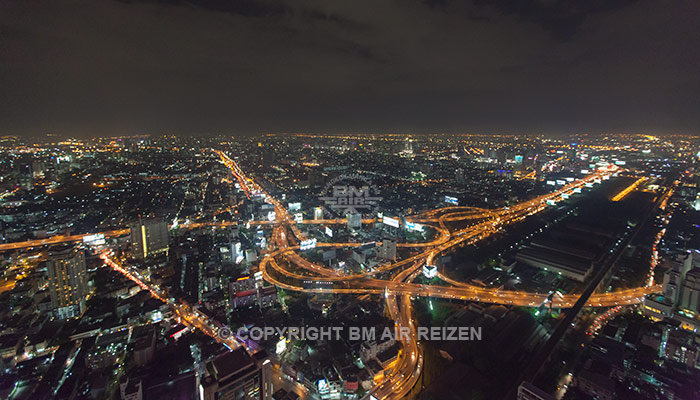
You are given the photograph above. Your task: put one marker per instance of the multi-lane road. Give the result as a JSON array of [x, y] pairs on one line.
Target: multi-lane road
[[279, 264], [282, 259]]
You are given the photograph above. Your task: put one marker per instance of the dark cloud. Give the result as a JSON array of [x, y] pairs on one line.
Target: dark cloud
[[560, 17], [113, 67]]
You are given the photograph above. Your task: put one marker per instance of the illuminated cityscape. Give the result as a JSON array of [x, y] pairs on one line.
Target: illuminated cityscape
[[542, 244], [176, 239]]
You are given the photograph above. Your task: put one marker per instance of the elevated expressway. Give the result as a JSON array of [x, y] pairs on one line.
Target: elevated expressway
[[285, 267], [283, 263]]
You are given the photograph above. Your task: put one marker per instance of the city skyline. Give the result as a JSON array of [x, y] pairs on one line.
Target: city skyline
[[500, 267], [349, 200]]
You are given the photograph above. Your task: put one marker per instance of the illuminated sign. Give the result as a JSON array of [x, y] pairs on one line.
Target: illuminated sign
[[281, 346], [551, 202], [451, 200], [323, 386], [294, 206], [391, 222], [561, 182], [429, 271], [577, 190], [307, 244], [412, 226], [551, 183], [565, 196], [588, 184], [569, 179], [585, 171], [96, 239]]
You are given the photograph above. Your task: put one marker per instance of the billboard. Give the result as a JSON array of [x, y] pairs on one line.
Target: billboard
[[307, 244], [451, 200], [391, 222], [95, 240], [412, 226]]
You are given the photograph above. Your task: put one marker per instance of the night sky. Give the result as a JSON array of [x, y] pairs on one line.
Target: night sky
[[106, 67]]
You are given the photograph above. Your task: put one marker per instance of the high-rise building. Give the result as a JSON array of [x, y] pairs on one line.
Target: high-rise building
[[67, 279], [237, 253], [354, 220], [674, 277], [681, 292], [408, 146], [528, 391], [233, 375], [149, 237], [318, 213], [459, 175], [387, 250], [690, 291]]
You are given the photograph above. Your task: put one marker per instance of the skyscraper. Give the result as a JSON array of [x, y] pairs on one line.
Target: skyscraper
[[67, 277], [149, 237], [387, 250], [459, 175], [674, 277], [354, 220], [690, 291], [318, 213]]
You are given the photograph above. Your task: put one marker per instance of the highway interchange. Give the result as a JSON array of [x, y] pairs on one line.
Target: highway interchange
[[284, 265], [276, 267]]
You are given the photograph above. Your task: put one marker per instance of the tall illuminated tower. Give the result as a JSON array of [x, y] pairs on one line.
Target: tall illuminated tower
[[67, 278], [148, 238]]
